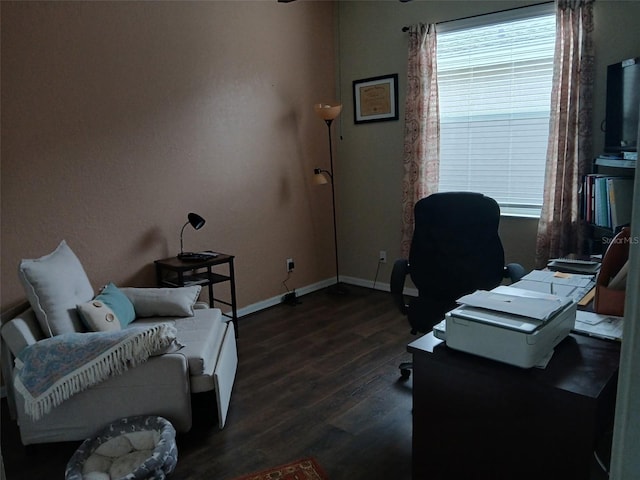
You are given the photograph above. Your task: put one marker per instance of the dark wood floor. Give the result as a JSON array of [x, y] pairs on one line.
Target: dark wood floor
[[317, 379]]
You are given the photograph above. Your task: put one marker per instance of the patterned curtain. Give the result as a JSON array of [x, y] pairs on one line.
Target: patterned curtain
[[560, 230], [422, 127]]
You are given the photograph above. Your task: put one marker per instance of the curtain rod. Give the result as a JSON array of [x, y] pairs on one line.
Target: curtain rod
[[406, 28]]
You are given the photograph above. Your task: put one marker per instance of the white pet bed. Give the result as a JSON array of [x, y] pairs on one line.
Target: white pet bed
[[133, 448]]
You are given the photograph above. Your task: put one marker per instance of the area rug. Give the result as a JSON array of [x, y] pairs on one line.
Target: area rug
[[304, 469]]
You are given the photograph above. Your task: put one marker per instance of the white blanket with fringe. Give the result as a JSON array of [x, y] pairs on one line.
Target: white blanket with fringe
[[52, 370]]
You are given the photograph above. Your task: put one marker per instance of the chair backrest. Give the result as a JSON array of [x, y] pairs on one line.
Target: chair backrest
[[455, 248]]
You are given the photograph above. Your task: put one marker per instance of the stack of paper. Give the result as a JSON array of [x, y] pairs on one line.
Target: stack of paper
[[597, 325], [569, 265], [574, 286]]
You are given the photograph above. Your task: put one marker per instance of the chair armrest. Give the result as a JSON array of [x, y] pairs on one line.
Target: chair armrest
[[514, 271], [398, 277]]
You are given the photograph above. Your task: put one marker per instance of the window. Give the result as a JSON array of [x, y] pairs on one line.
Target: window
[[494, 84]]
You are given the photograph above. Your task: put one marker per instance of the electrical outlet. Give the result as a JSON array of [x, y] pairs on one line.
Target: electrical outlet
[[382, 258], [290, 265]]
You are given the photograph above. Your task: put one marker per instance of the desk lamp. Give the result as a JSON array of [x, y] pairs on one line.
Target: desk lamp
[[197, 222]]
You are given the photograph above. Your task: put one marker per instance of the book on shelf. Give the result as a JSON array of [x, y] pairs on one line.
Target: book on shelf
[[620, 200], [607, 200], [601, 202], [590, 197]]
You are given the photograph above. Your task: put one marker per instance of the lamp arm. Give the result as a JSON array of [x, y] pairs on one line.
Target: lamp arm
[[181, 232]]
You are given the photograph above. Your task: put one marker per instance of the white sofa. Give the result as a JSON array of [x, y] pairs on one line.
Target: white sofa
[[160, 386]]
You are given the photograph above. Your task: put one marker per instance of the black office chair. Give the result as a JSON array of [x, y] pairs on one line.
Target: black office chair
[[455, 250]]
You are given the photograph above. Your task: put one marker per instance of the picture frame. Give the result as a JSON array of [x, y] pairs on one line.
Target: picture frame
[[375, 99]]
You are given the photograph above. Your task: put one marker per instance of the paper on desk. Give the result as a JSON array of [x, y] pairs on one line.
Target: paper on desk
[[527, 303], [571, 285], [542, 287], [547, 276], [598, 325]]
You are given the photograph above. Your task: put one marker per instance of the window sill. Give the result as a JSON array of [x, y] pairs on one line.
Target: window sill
[[519, 213]]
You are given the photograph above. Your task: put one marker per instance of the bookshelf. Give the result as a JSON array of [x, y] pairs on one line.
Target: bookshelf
[[607, 197], [614, 162]]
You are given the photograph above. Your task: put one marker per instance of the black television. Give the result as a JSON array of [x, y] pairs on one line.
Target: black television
[[622, 109]]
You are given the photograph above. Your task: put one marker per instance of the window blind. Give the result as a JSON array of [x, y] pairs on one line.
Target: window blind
[[494, 85]]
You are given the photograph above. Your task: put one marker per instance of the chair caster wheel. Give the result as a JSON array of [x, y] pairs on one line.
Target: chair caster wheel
[[405, 373]]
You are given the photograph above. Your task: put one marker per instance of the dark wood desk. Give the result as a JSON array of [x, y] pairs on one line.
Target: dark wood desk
[[475, 418], [173, 272]]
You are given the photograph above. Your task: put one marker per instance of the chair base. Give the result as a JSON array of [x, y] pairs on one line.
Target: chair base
[[405, 370]]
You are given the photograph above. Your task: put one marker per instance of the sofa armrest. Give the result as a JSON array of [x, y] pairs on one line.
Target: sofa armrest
[[21, 331], [159, 386]]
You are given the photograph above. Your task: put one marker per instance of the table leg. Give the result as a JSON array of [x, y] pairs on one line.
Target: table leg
[[234, 308]]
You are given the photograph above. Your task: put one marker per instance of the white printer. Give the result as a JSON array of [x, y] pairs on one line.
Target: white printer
[[511, 325]]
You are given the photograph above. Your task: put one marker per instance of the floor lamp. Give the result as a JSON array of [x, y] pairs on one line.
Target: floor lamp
[[329, 112]]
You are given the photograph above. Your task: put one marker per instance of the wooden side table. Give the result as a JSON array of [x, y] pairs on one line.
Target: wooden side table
[[173, 272]]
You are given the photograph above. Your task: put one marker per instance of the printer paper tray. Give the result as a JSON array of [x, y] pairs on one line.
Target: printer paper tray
[[516, 301], [501, 319]]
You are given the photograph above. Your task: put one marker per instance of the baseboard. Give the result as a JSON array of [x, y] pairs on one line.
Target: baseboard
[[385, 287], [359, 282], [270, 302]]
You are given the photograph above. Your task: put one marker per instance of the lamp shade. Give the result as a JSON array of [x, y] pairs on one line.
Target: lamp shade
[[328, 111], [196, 221], [319, 178]]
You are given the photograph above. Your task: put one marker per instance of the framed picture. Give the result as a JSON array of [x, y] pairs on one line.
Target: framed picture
[[375, 99]]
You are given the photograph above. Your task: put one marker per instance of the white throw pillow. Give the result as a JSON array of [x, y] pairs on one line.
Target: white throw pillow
[[163, 302], [98, 317], [54, 285]]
